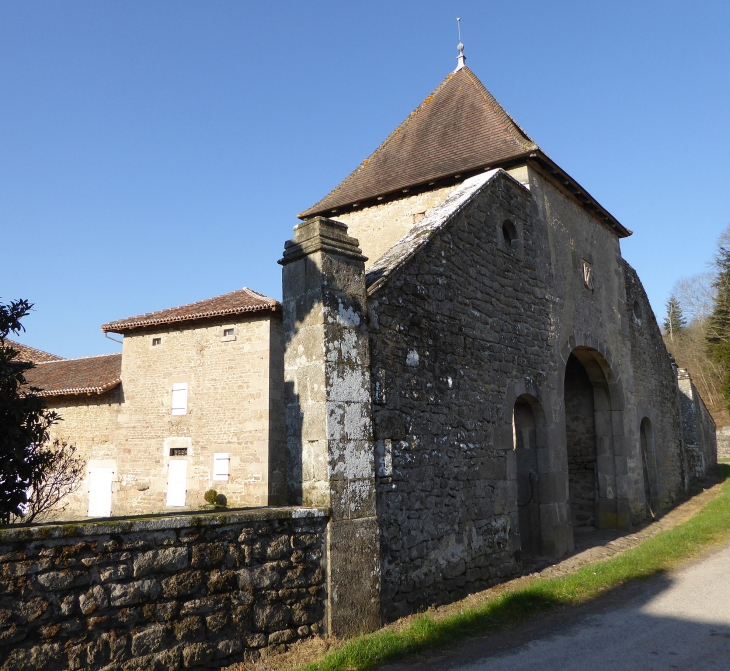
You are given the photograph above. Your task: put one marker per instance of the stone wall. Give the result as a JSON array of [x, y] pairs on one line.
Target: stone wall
[[90, 422], [698, 428], [655, 396], [448, 329], [723, 442], [378, 227], [470, 317], [166, 593]]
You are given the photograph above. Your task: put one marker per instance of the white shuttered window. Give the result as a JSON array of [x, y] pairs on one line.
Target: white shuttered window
[[221, 462], [177, 486], [100, 492], [180, 398]]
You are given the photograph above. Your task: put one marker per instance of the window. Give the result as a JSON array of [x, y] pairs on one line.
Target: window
[[637, 312], [177, 485], [587, 275], [156, 341], [221, 462], [227, 332], [100, 492], [180, 398], [509, 234]]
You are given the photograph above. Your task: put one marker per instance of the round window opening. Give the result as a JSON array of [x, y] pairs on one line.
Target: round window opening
[[509, 232]]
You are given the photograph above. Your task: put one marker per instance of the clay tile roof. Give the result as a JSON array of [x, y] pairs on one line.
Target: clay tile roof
[[26, 353], [90, 375], [459, 127], [235, 302]]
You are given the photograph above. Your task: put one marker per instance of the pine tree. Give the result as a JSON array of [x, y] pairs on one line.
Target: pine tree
[[718, 328], [674, 322]]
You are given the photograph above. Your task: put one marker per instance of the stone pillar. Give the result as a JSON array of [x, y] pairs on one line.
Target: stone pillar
[[330, 449]]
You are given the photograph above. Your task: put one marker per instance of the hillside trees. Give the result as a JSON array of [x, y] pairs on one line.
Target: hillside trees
[[26, 459], [697, 331], [718, 324]]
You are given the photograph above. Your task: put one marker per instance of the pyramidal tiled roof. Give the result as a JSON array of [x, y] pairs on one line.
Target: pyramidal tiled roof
[[235, 302], [459, 127]]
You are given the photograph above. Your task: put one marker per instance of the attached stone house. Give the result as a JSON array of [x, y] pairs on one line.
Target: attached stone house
[[193, 402], [463, 371]]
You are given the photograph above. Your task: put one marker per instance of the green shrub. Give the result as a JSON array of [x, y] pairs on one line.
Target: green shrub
[[211, 496]]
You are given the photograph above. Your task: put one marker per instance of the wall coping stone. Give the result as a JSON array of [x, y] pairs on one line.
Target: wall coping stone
[[119, 525]]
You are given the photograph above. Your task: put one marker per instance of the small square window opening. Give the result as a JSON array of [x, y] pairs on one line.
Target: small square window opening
[[156, 341], [227, 332]]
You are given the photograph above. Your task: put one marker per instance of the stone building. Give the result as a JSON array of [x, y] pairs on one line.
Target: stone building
[[463, 371], [495, 380], [193, 402]]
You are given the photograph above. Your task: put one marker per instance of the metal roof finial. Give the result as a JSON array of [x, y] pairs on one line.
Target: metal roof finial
[[460, 59]]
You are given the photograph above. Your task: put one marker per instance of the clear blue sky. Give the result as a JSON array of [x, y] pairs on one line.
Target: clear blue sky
[[156, 153]]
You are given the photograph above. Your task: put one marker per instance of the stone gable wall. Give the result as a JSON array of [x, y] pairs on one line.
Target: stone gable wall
[[655, 393], [447, 332], [378, 227], [166, 593]]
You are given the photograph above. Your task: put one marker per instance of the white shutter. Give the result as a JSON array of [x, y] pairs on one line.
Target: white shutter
[[177, 482], [221, 461], [180, 398], [100, 492]]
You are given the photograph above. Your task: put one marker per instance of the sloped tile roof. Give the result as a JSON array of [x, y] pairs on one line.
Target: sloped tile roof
[[458, 130], [235, 302], [89, 375], [26, 353], [459, 127]]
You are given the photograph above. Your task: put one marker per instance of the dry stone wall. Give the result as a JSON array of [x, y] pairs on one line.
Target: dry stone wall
[[168, 593]]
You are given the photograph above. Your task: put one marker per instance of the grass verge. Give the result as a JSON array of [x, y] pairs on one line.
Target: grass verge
[[710, 526]]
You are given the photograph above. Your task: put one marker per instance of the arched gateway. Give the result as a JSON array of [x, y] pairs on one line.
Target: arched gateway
[[593, 423]]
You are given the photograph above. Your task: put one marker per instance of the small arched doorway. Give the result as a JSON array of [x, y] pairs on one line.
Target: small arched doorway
[[648, 467], [526, 418]]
